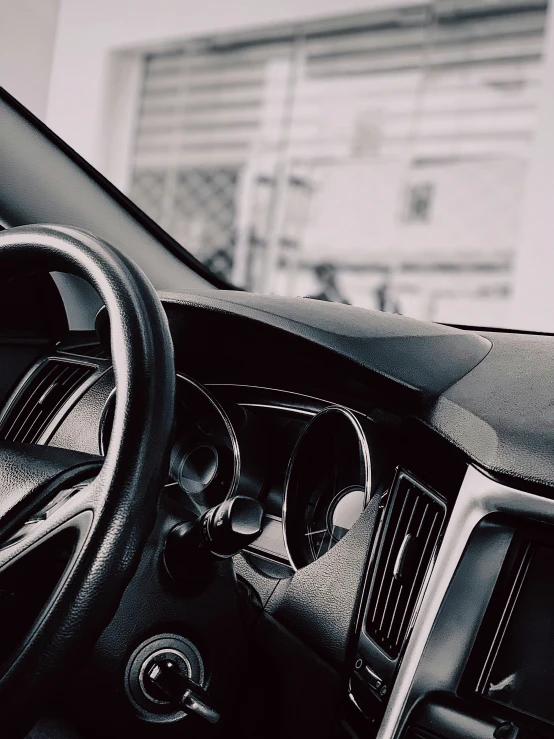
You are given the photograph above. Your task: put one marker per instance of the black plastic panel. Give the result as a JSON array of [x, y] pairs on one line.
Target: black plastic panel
[[510, 671], [420, 360]]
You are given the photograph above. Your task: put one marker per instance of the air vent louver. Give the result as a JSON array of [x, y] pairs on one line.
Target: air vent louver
[[40, 399], [413, 523]]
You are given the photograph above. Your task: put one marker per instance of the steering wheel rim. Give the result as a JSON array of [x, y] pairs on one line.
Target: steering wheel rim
[[114, 514]]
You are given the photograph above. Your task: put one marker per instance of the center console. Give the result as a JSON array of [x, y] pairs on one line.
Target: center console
[[511, 669], [503, 686]]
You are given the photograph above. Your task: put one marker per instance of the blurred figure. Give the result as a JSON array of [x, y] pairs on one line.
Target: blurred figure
[[326, 274], [385, 302], [381, 296]]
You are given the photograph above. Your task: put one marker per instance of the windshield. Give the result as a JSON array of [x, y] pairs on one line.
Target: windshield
[[391, 158]]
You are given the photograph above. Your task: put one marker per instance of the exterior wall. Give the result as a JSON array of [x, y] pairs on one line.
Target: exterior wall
[[26, 50], [472, 214], [533, 304]]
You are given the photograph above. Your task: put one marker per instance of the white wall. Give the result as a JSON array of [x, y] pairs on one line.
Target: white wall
[[474, 211], [533, 304], [89, 30], [26, 50]]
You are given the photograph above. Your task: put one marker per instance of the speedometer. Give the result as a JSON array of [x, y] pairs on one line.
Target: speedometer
[[328, 484]]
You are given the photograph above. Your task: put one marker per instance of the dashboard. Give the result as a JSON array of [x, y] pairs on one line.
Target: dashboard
[[406, 475]]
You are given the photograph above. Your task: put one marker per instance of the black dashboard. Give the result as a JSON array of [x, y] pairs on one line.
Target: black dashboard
[[406, 473]]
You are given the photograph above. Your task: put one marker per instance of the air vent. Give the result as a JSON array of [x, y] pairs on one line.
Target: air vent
[[413, 524], [40, 399]]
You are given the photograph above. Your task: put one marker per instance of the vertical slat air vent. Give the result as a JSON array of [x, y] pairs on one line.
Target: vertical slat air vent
[[40, 399], [413, 523]]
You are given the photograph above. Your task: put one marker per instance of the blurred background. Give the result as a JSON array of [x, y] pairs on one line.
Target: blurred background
[[391, 155]]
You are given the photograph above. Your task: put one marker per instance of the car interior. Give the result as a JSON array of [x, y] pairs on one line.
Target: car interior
[[233, 514]]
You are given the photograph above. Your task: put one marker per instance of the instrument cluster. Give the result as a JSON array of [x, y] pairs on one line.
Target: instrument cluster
[[313, 470]]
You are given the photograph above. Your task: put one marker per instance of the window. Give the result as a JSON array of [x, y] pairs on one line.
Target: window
[[419, 202]]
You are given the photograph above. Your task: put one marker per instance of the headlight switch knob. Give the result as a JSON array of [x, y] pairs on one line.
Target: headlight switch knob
[[191, 547]]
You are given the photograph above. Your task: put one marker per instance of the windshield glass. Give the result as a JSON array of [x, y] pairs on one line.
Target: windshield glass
[[388, 156]]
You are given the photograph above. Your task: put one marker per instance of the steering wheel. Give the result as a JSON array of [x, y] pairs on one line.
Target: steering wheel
[[47, 493]]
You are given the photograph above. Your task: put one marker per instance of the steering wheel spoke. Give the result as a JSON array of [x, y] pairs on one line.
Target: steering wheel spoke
[[73, 510]]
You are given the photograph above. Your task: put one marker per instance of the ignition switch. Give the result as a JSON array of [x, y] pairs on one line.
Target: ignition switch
[[165, 680]]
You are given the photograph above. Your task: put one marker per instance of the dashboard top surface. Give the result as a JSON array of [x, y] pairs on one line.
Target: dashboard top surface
[[478, 391]]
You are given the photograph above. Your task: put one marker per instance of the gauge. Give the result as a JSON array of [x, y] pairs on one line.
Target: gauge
[[206, 466], [205, 460], [328, 484]]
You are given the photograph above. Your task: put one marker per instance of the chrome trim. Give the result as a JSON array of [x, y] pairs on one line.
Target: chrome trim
[[281, 404], [355, 702], [365, 453], [286, 408], [218, 408], [102, 422], [276, 390], [269, 406], [228, 426], [479, 496]]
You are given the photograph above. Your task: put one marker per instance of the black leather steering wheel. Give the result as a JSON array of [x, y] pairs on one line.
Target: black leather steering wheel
[[110, 517]]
